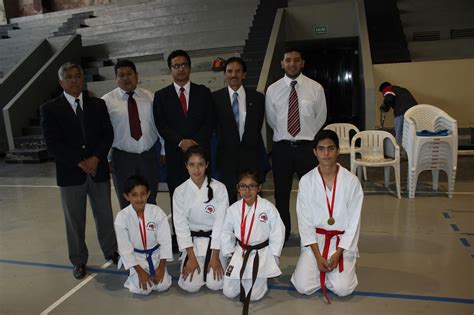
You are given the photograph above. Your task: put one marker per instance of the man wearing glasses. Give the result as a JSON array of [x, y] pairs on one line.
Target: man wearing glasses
[[182, 113]]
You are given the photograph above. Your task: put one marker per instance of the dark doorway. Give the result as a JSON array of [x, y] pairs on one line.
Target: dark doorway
[[334, 63]]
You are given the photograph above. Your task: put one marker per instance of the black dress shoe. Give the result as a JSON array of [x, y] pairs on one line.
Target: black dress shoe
[[115, 258], [79, 271]]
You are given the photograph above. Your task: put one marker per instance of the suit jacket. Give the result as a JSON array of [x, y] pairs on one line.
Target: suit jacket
[[233, 154], [65, 142], [174, 126]]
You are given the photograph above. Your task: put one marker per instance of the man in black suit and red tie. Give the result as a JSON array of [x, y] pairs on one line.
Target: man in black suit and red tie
[[239, 114], [182, 113], [78, 134]]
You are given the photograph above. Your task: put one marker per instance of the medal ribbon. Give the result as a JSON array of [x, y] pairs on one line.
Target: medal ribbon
[[330, 206], [243, 223], [142, 229]]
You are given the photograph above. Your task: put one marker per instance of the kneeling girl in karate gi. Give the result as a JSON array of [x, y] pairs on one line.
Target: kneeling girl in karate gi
[[199, 207], [328, 206], [144, 240], [253, 234]]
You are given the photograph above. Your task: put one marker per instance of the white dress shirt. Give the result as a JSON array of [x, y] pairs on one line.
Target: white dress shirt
[[117, 105], [311, 104], [242, 107], [72, 101]]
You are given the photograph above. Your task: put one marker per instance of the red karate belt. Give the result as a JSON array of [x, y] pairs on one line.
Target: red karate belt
[[328, 235]]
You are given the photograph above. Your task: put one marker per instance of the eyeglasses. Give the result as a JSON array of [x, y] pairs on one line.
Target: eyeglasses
[[183, 65], [249, 187]]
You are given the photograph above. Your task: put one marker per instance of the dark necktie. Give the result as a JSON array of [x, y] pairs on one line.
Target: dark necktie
[[182, 98], [235, 108], [293, 112], [80, 117], [134, 118]]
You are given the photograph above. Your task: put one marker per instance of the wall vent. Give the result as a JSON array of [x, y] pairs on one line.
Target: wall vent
[[426, 36]]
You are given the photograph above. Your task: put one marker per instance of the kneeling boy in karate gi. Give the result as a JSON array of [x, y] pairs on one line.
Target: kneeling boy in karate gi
[[328, 206], [144, 240]]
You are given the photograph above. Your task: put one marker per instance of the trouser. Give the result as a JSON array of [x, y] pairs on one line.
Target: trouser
[[126, 164], [288, 158], [133, 284], [399, 129], [306, 277], [74, 199]]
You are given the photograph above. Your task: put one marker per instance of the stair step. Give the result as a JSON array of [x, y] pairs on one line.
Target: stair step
[[31, 130], [33, 156], [30, 142]]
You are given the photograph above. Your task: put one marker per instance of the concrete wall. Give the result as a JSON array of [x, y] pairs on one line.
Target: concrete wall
[[15, 8], [17, 78], [40, 88], [3, 14], [58, 5], [446, 84], [338, 16]]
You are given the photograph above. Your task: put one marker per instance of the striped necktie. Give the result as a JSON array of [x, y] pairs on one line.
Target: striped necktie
[[294, 126]]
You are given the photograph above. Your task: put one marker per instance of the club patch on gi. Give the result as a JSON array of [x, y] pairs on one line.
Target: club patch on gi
[[151, 226], [210, 209], [263, 217]]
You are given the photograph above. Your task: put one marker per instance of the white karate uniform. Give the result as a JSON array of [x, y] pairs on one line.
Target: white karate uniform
[[267, 226], [128, 237], [192, 212], [312, 212]]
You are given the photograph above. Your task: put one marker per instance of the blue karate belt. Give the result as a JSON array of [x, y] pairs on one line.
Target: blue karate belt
[[148, 253]]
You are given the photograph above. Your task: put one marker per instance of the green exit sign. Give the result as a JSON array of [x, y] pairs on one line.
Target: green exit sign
[[320, 29]]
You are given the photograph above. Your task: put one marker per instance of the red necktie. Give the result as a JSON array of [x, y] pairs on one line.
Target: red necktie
[[134, 118], [293, 112], [182, 98]]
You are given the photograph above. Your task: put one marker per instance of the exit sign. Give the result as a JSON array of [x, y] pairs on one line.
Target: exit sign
[[320, 29]]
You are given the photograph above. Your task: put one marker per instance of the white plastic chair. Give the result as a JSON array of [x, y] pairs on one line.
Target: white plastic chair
[[343, 131], [373, 153], [433, 153]]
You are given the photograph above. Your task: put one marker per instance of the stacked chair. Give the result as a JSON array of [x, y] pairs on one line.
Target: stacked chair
[[430, 138]]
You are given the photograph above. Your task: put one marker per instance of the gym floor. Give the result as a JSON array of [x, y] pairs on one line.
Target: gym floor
[[416, 255]]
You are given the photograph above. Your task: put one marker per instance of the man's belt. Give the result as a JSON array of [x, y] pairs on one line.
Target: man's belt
[[295, 143], [208, 252], [148, 253], [249, 248], [328, 235]]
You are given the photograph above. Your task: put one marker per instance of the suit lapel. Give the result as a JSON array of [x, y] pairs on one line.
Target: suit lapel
[[248, 108]]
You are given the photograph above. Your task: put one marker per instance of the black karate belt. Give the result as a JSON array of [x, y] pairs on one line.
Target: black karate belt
[[148, 253], [208, 252], [246, 298]]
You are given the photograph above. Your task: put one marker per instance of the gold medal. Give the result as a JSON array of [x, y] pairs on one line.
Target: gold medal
[[331, 221]]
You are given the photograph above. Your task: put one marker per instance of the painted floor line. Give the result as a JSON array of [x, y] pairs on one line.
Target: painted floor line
[[73, 290], [271, 286]]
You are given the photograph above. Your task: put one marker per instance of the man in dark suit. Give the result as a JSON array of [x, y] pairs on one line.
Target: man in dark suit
[[238, 116], [182, 113], [78, 134]]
